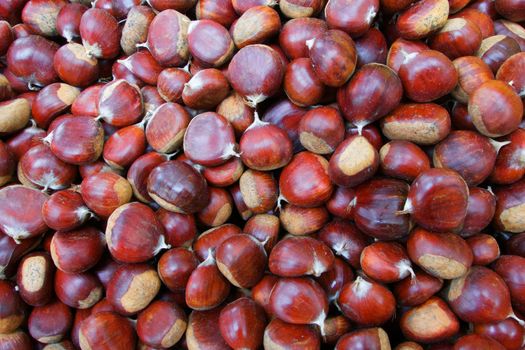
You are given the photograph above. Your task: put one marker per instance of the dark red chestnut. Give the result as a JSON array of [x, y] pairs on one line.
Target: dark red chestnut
[[162, 324], [507, 332], [74, 66], [50, 323], [35, 279], [104, 192], [77, 251], [509, 206], [480, 211], [107, 330], [100, 33], [175, 267], [485, 248], [255, 26], [373, 338], [415, 290], [79, 291], [345, 240], [207, 288], [422, 19], [303, 221]]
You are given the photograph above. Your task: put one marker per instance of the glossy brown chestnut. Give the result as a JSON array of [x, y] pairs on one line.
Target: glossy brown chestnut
[[139, 171], [303, 221], [220, 11], [457, 38], [175, 267], [68, 20], [402, 50], [219, 208], [321, 130], [510, 268], [21, 212], [509, 206], [120, 103], [35, 279], [255, 26], [212, 239], [12, 251], [237, 112], [511, 72], [496, 49], [50, 323], [480, 211], [416, 289], [487, 289], [485, 248], [422, 19], [472, 72], [366, 302], [345, 240], [509, 165], [429, 322], [479, 13], [104, 192], [204, 329], [333, 280], [295, 33], [507, 332], [86, 103], [100, 33], [52, 101], [403, 160], [13, 310], [265, 228], [386, 262], [301, 84], [17, 340], [74, 66], [342, 202], [207, 288], [107, 330], [162, 324], [79, 291], [180, 229], [123, 147], [475, 341], [206, 89], [352, 17], [77, 251], [340, 48], [258, 190]]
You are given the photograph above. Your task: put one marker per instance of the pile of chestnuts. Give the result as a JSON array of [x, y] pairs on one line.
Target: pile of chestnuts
[[262, 174]]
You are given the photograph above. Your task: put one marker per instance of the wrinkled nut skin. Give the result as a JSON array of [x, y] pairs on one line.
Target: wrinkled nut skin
[[438, 200], [509, 207], [107, 330], [422, 19], [429, 322]]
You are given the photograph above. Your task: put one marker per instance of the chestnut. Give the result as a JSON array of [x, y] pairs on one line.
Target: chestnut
[[429, 322], [180, 229], [495, 50], [17, 340], [303, 221], [178, 187], [480, 211], [354, 18], [416, 289], [509, 267], [207, 288], [175, 267], [104, 192], [169, 52], [402, 50], [235, 110], [242, 324], [479, 296], [220, 11], [132, 288], [263, 66], [255, 26], [107, 329], [333, 281], [68, 20], [21, 212], [510, 72], [386, 262], [295, 33], [219, 208], [100, 33], [301, 84], [120, 103], [35, 279], [12, 251], [124, 146], [86, 103], [79, 291], [204, 330], [342, 202], [403, 160], [485, 248], [354, 161], [162, 324], [258, 190], [321, 130], [509, 204], [438, 200], [475, 341], [422, 19], [298, 256], [333, 55], [212, 239], [507, 332], [374, 91], [170, 83], [345, 240], [457, 38], [50, 323], [15, 115], [206, 89], [508, 167], [74, 66], [472, 72], [292, 336], [443, 255], [480, 13], [366, 302], [377, 205], [13, 309], [373, 338], [77, 251]]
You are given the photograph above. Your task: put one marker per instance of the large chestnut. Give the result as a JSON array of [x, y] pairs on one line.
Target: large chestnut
[[107, 330], [77, 251], [161, 324]]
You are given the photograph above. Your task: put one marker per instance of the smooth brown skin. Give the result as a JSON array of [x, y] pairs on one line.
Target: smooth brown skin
[[120, 103], [321, 130], [170, 84], [479, 16], [242, 260], [49, 173], [134, 234], [104, 192], [422, 19], [259, 191], [510, 9], [210, 51], [123, 147], [74, 66], [100, 33], [374, 91], [139, 171], [188, 197], [507, 332], [385, 262], [220, 11], [77, 251], [219, 208], [287, 116], [301, 84], [105, 269], [50, 323], [79, 291], [480, 211], [203, 330], [470, 154], [428, 76], [475, 341], [456, 5], [341, 204], [510, 268], [429, 322], [295, 33], [509, 167], [161, 324], [509, 207], [366, 302], [403, 160], [207, 288], [334, 328], [292, 336], [255, 26], [413, 291], [352, 17], [334, 279], [225, 174], [299, 256], [367, 338], [13, 309], [265, 228], [206, 89], [345, 240], [174, 51], [179, 229], [242, 6], [298, 300], [52, 101], [487, 289], [86, 103], [400, 50], [459, 37], [175, 267], [65, 210], [371, 48], [256, 72], [22, 141], [300, 8], [378, 202], [11, 252], [20, 212], [212, 239], [438, 200], [143, 66], [472, 72], [35, 279], [408, 345], [443, 255], [511, 71], [7, 36], [484, 248], [343, 57], [495, 50], [242, 323], [423, 124], [237, 112], [302, 221], [261, 292], [107, 330]]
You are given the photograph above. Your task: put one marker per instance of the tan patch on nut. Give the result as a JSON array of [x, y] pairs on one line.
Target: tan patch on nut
[[453, 24], [141, 291], [384, 342], [67, 94], [94, 296], [84, 344], [8, 323], [456, 288], [80, 53], [14, 115], [442, 267], [434, 19], [513, 219], [428, 319], [295, 11], [165, 204], [222, 215], [227, 274], [34, 273], [314, 144], [248, 187], [357, 156], [488, 43], [420, 133], [174, 334], [123, 190], [51, 339]]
